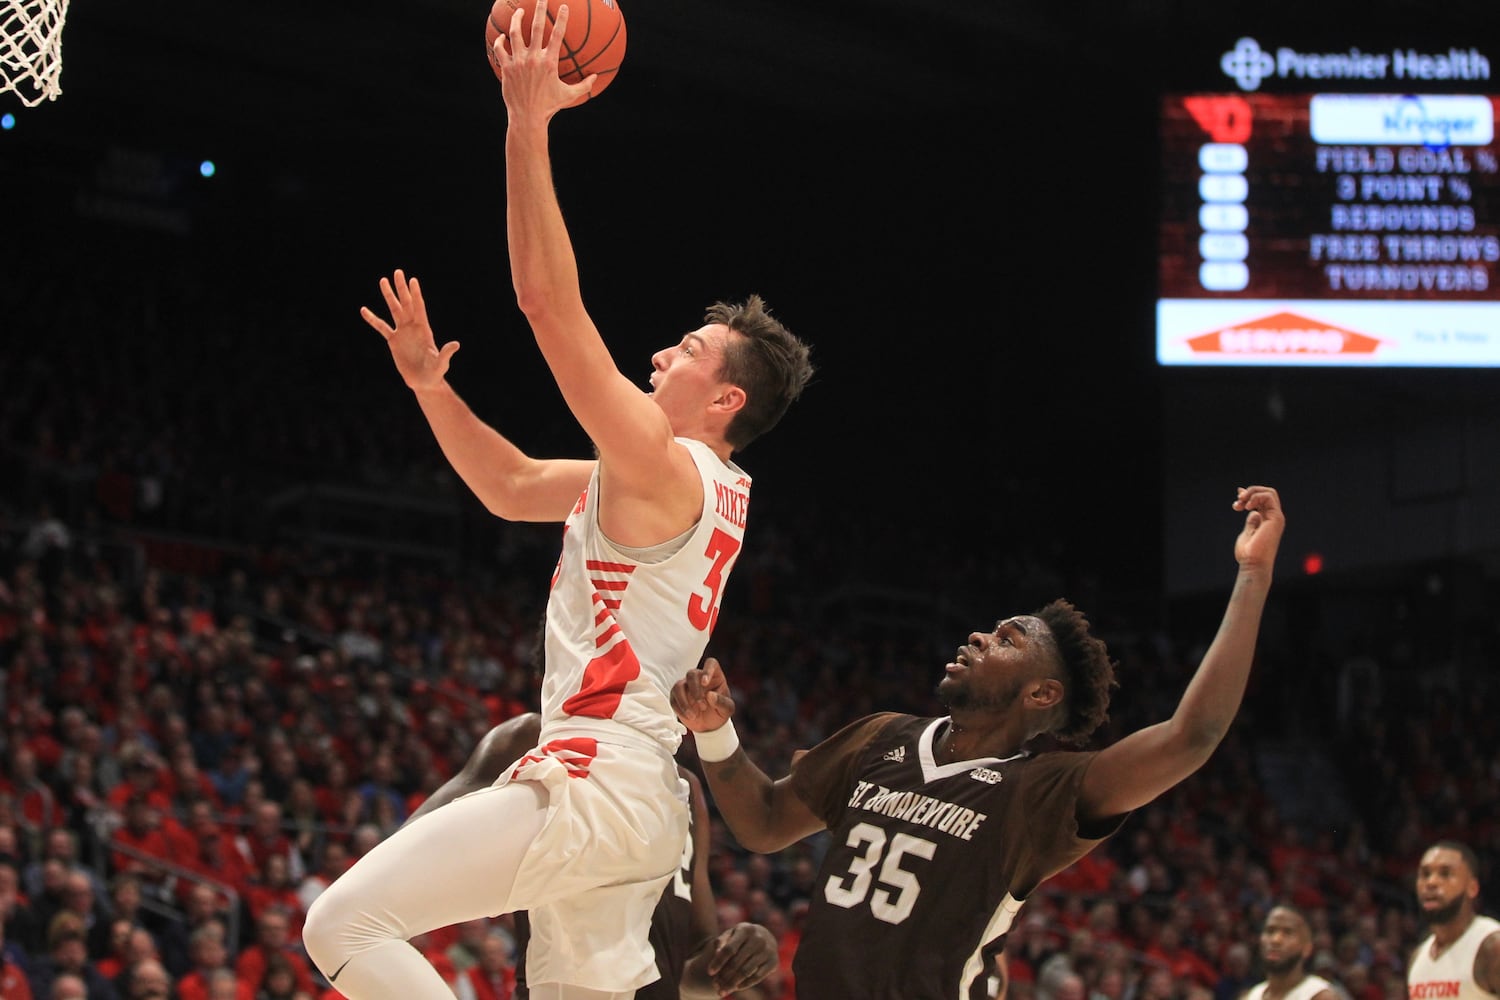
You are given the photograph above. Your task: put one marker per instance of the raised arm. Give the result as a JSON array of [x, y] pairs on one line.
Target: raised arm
[[1146, 763], [763, 815], [510, 483], [632, 434]]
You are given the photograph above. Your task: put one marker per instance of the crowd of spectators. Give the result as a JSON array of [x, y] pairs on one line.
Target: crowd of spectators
[[195, 747], [190, 759]]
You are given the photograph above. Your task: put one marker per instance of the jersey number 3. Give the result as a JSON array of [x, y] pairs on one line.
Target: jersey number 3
[[703, 612], [896, 890]]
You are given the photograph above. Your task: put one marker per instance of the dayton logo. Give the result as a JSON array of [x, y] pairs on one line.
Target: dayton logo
[[1284, 333], [1248, 64]]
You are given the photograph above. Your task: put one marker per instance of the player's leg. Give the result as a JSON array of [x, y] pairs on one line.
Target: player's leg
[[459, 863]]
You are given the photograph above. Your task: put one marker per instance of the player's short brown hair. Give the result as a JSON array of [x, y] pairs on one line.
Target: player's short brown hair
[[767, 361]]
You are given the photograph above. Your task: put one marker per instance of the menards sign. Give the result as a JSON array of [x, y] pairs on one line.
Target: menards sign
[[1284, 333]]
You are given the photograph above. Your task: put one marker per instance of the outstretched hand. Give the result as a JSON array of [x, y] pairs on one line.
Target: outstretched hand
[[701, 699], [529, 77], [411, 341], [1256, 546], [743, 956]]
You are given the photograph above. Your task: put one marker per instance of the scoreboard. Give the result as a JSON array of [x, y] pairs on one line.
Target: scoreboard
[[1331, 209]]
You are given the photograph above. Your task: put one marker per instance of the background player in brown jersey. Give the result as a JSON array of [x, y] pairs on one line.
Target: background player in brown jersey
[[697, 961], [941, 827]]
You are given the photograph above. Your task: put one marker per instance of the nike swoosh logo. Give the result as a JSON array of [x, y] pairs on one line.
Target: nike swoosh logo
[[335, 976]]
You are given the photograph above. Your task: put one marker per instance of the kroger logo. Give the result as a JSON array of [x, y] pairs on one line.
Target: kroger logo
[[1248, 63]]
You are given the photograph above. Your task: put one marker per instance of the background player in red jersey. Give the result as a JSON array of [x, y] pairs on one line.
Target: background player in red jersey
[[942, 827], [696, 960]]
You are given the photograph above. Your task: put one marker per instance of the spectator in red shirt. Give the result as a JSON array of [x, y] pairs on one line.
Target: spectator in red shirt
[[264, 837], [35, 801], [275, 888], [494, 978], [214, 853], [271, 938], [142, 780], [13, 982], [142, 834], [1182, 962], [279, 981], [210, 956], [334, 790]]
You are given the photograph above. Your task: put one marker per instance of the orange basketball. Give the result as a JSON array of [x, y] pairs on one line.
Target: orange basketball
[[594, 41]]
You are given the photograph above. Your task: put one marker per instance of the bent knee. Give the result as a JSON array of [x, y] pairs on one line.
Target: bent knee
[[318, 931], [330, 928]]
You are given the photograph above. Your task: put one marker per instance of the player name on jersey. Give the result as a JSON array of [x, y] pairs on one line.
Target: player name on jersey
[[731, 504], [916, 808]]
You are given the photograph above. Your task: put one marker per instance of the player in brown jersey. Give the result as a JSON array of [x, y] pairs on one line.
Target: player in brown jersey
[[942, 827], [696, 960]]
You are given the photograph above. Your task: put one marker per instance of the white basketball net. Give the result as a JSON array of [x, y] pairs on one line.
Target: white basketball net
[[31, 49]]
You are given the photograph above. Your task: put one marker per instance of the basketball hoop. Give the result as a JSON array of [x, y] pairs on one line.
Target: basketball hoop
[[31, 49]]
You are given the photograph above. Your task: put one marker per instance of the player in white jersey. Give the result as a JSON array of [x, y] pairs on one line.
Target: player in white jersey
[[588, 827], [1460, 959], [1285, 949]]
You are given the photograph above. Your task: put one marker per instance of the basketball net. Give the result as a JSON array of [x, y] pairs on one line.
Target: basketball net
[[31, 49]]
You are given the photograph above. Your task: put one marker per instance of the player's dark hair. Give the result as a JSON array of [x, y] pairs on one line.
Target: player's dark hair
[[1295, 911], [770, 364], [1088, 672], [1464, 851]]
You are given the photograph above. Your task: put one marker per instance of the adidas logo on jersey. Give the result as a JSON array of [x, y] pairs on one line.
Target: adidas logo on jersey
[[897, 755], [985, 775]]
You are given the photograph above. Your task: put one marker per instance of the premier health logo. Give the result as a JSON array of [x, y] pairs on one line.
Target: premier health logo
[[1284, 333], [1248, 64]]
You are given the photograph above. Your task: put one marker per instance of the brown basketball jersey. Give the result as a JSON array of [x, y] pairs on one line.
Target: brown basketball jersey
[[928, 862]]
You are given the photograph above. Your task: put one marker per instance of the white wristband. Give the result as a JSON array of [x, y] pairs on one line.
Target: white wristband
[[717, 744]]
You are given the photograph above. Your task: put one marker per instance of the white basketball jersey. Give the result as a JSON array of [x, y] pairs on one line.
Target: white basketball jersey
[[1310, 987], [1450, 976], [621, 632]]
